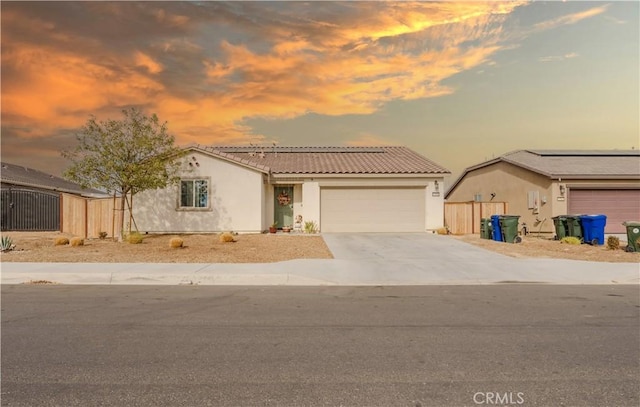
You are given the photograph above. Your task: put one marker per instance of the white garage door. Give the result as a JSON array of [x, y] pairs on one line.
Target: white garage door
[[372, 210], [619, 205]]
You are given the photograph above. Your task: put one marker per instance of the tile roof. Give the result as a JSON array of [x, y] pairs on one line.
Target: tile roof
[[578, 164], [570, 164], [24, 176], [328, 160]]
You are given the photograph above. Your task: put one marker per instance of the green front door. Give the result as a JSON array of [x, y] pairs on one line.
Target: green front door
[[283, 206]]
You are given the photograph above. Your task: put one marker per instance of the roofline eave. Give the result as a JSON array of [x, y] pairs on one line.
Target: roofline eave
[[357, 174], [229, 158], [87, 194]]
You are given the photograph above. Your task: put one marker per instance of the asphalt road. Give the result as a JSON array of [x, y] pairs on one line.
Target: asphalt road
[[279, 346]]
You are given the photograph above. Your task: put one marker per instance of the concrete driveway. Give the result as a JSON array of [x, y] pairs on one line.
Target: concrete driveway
[[430, 258], [360, 259]]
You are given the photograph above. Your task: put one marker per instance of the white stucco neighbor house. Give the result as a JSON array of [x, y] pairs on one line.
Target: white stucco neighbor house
[[341, 189]]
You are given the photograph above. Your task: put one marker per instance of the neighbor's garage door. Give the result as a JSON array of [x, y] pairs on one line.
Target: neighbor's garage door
[[372, 210], [618, 204]]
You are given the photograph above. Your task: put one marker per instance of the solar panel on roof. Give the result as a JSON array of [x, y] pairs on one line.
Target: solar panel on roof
[[584, 153]]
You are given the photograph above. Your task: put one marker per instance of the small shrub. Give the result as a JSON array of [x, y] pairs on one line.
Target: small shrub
[[102, 235], [227, 238], [310, 227], [442, 231], [76, 241], [61, 241], [570, 240], [134, 238], [6, 244], [176, 242], [613, 243]]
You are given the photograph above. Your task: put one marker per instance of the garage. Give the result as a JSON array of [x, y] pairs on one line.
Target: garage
[[619, 205], [372, 209]]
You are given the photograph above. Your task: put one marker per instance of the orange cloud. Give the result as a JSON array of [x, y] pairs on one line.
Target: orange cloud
[[347, 64], [147, 62], [63, 89]]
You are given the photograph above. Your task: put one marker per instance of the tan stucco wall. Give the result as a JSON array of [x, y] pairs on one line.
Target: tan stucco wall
[[511, 184]]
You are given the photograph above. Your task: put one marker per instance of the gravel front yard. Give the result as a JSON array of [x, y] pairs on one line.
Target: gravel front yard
[[542, 247], [262, 248], [250, 248]]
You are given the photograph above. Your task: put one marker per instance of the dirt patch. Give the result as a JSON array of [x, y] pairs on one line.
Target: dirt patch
[[250, 248], [542, 247], [261, 248]]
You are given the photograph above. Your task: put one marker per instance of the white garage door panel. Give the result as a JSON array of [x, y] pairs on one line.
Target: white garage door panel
[[372, 210], [619, 205]]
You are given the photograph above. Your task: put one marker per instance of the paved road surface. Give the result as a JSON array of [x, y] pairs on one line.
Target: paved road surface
[[282, 346]]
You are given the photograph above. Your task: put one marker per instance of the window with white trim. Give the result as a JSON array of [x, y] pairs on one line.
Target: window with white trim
[[194, 193]]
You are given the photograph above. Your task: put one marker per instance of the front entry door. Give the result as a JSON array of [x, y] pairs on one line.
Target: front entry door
[[283, 206]]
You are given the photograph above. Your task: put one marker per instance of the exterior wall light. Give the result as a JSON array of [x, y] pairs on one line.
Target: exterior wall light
[[436, 187], [563, 189]]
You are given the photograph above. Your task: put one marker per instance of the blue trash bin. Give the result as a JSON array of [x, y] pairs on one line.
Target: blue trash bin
[[593, 228], [495, 224]]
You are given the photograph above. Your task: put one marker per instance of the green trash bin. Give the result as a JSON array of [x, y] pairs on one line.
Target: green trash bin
[[633, 236], [574, 226], [560, 222], [485, 228], [509, 228]]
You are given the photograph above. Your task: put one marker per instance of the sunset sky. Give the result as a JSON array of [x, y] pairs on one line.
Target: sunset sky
[[457, 82]]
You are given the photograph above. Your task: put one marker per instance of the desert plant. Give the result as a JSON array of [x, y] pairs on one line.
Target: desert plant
[[176, 242], [570, 240], [102, 235], [134, 238], [61, 241], [6, 244], [310, 227], [613, 243], [442, 231], [76, 241], [227, 238]]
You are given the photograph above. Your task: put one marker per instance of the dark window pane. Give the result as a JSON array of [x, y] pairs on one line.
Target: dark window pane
[[186, 193], [201, 193]]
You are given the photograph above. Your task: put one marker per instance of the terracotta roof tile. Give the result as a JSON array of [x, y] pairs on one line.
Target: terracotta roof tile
[[330, 160]]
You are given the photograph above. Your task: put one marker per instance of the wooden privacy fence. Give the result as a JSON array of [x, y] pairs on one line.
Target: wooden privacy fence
[[87, 217], [464, 217]]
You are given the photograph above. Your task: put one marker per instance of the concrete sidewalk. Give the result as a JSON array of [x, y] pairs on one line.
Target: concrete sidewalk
[[325, 272], [360, 259]]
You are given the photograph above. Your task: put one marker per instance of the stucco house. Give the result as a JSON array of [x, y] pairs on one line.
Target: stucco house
[[341, 189], [541, 184]]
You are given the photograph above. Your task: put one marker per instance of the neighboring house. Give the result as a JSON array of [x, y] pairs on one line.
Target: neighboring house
[[31, 199], [541, 184], [341, 189]]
